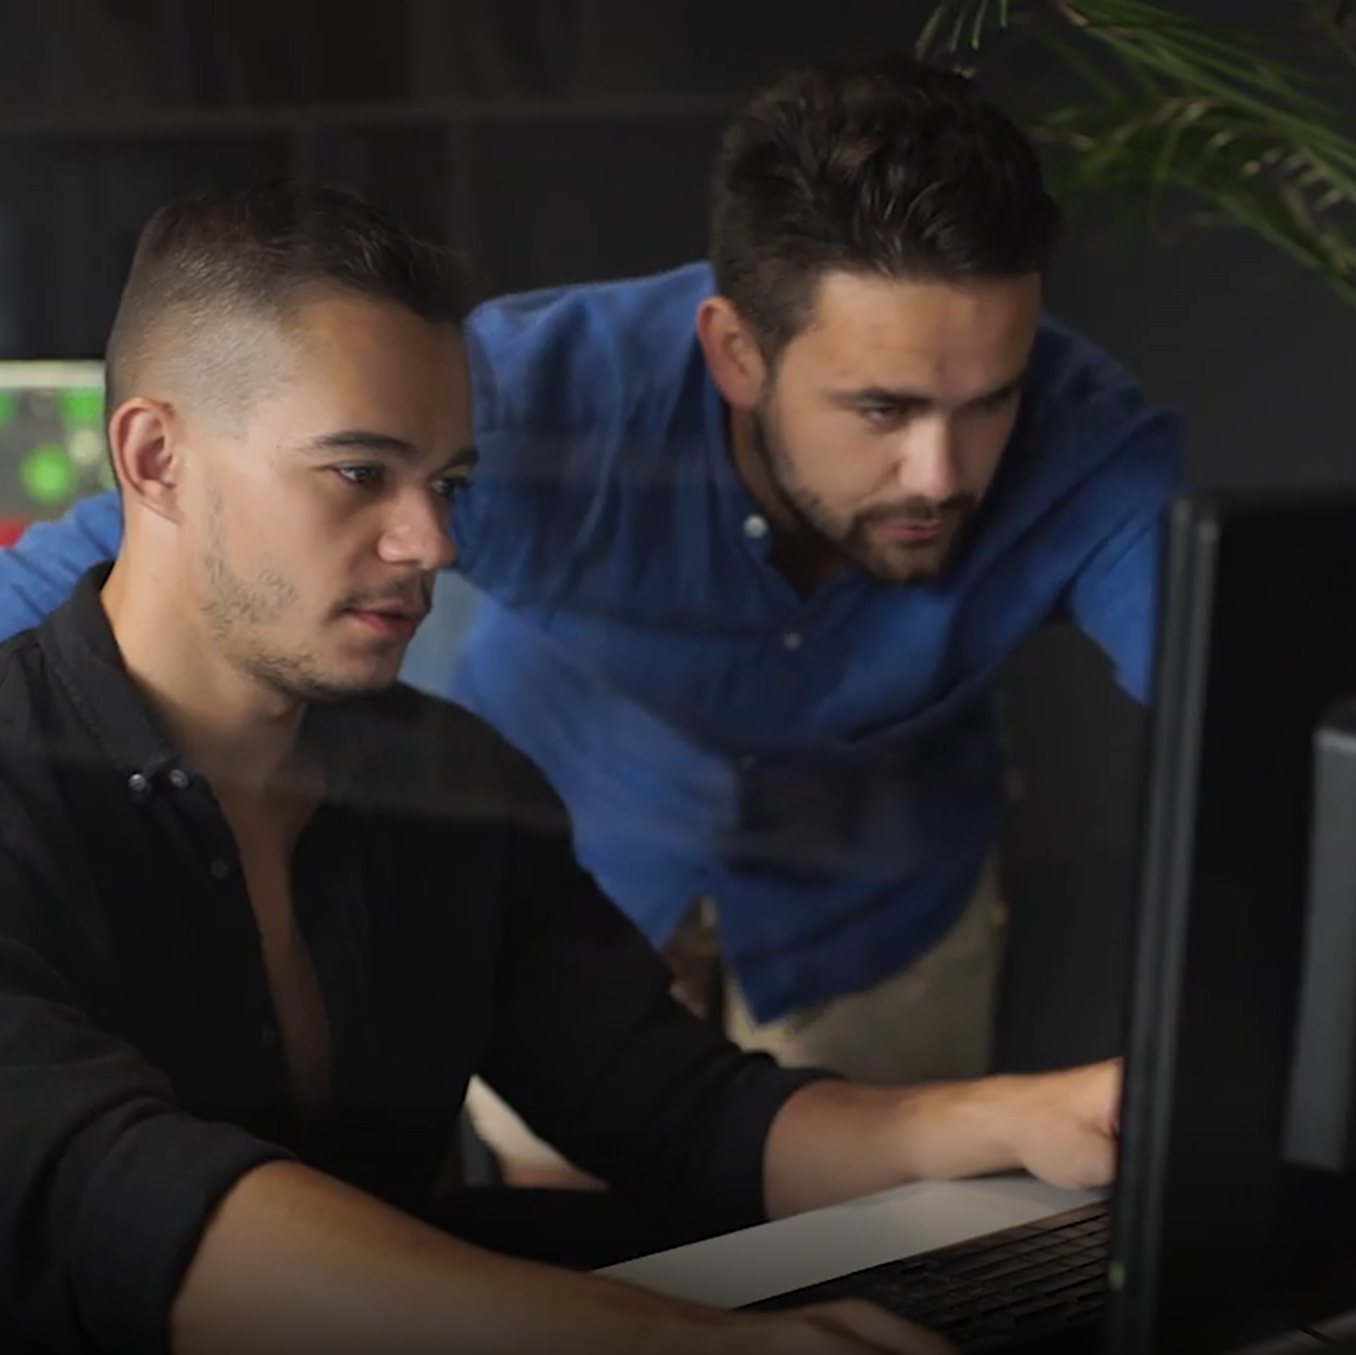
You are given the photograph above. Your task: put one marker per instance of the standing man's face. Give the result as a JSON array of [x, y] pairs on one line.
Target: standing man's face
[[314, 530], [885, 419]]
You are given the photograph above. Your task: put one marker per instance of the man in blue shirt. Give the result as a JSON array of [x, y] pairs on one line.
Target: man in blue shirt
[[753, 541]]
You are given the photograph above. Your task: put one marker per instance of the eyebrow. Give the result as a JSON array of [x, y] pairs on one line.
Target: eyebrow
[[907, 399], [383, 445]]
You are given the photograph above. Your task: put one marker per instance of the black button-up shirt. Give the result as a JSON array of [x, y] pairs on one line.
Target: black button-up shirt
[[451, 931]]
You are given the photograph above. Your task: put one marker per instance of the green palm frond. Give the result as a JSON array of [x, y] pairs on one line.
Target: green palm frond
[[955, 23], [1298, 197], [1175, 107]]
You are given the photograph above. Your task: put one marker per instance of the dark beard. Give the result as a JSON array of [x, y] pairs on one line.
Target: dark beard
[[813, 531]]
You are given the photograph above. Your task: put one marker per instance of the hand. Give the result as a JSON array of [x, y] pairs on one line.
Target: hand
[[1064, 1125], [849, 1327]]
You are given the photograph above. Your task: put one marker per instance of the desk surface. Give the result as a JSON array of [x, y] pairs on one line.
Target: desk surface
[[757, 1263]]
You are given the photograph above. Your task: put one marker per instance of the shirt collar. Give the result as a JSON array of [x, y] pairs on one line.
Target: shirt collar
[[89, 665], [740, 512]]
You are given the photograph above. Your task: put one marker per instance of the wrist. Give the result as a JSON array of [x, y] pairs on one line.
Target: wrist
[[960, 1129]]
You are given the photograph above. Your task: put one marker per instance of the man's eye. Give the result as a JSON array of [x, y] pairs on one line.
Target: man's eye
[[449, 486], [996, 404], [365, 476], [881, 415]]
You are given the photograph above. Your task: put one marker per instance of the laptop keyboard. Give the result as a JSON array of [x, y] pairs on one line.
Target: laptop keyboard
[[1001, 1291]]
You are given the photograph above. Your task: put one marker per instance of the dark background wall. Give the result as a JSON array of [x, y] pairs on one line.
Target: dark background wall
[[568, 139]]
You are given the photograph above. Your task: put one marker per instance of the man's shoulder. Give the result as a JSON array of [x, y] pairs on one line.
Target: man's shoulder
[[1089, 454], [1087, 410], [572, 356], [591, 310], [1069, 370], [586, 399], [26, 684], [40, 734], [411, 754]]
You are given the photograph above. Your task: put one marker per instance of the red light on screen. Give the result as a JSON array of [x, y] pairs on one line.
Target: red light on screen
[[11, 529]]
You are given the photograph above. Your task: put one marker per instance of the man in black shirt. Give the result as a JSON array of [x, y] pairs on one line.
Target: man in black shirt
[[263, 913]]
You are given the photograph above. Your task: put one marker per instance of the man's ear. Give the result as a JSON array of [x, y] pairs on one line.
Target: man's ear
[[731, 353], [146, 459]]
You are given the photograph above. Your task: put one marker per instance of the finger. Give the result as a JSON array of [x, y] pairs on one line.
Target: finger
[[1089, 1162], [1106, 1089], [879, 1330]]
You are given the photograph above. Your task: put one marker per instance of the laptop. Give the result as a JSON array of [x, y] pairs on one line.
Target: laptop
[[1232, 1224]]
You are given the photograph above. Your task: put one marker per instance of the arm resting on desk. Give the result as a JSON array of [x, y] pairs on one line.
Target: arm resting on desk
[[832, 1141], [591, 1049], [297, 1264], [294, 1261], [128, 1224]]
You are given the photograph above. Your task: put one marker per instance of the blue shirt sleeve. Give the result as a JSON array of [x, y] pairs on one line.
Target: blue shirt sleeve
[[1114, 598], [39, 572]]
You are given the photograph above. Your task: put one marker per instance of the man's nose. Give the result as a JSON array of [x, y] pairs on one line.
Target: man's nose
[[926, 460], [418, 535]]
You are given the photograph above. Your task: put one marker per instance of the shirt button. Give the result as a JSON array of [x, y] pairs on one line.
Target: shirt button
[[138, 784], [220, 869], [179, 779], [755, 527], [792, 639]]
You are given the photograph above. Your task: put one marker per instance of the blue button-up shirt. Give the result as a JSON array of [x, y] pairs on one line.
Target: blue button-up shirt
[[828, 769]]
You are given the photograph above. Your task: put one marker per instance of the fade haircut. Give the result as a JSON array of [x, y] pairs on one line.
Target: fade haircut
[[222, 255], [891, 168]]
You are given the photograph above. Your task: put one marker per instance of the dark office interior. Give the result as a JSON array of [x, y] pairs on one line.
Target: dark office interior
[[564, 140]]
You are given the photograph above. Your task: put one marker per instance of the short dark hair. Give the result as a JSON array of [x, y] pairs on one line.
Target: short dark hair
[[221, 252], [889, 167]]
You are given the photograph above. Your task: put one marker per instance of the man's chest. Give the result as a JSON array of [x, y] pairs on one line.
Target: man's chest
[[299, 1007], [671, 598], [837, 672], [329, 983]]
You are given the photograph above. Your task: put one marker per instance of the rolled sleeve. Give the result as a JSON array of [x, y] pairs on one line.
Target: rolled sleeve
[[598, 1058], [108, 1185], [145, 1213]]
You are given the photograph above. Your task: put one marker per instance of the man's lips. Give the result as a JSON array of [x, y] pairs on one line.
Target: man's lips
[[394, 609], [391, 622], [901, 529]]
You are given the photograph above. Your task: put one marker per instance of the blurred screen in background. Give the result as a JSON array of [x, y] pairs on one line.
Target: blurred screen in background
[[52, 449]]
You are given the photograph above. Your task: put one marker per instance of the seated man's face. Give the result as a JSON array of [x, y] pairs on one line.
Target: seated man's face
[[320, 520]]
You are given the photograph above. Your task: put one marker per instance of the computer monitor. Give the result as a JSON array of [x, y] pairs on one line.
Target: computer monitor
[[1235, 1211], [52, 448]]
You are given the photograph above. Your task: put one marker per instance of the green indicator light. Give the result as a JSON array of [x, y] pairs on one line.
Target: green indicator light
[[1115, 1276], [9, 407], [84, 405], [47, 475]]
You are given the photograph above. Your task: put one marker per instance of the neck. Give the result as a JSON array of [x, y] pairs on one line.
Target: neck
[[797, 550], [229, 727], [752, 468]]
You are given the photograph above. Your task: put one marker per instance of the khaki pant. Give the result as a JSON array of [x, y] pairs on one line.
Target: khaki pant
[[932, 1021]]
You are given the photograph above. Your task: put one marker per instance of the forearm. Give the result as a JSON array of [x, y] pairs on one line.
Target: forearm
[[835, 1141], [832, 1141], [295, 1263]]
